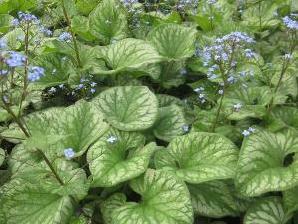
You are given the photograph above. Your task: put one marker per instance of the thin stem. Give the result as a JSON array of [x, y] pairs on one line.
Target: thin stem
[[72, 34], [45, 158], [27, 134], [221, 99], [25, 86]]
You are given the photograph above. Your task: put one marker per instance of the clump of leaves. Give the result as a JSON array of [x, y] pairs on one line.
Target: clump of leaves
[[125, 111]]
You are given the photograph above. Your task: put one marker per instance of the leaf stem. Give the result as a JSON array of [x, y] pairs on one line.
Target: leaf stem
[[27, 134], [72, 34]]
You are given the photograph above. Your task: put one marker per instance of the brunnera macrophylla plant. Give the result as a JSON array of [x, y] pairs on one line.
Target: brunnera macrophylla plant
[[148, 112]]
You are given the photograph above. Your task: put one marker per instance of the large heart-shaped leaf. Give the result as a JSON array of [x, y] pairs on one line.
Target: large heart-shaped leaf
[[164, 200], [128, 108], [24, 200], [199, 157], [261, 166], [111, 163], [253, 101], [128, 55], [80, 125], [169, 123], [267, 211], [173, 41], [108, 21]]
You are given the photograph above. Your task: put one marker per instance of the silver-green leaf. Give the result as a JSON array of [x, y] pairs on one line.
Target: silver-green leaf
[[199, 157], [128, 108]]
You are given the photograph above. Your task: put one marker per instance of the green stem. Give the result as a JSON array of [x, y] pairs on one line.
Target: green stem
[[27, 134], [72, 34]]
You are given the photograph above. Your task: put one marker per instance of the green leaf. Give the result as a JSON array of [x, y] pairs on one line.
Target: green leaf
[[24, 200], [125, 159], [128, 108], [2, 156], [266, 211], [80, 125], [290, 199], [108, 21], [164, 200], [80, 26], [199, 157], [169, 123], [261, 166], [284, 117], [252, 99], [174, 42], [128, 55], [86, 6], [57, 70], [5, 20], [213, 199]]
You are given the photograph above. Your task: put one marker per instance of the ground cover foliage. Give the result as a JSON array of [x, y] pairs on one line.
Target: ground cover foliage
[[148, 112]]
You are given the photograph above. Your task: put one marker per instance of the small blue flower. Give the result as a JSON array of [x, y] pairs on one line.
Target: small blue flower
[[251, 129], [112, 139], [65, 37], [93, 84], [3, 72], [35, 73], [290, 23], [15, 59], [245, 133], [69, 153], [237, 107], [92, 90], [185, 128], [80, 86], [3, 44], [52, 90], [15, 22]]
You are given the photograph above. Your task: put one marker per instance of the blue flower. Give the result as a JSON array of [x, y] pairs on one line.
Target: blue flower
[[245, 133], [112, 139], [92, 90], [15, 22], [52, 90], [64, 37], [15, 59], [3, 72], [69, 153], [237, 107], [185, 128], [35, 73], [290, 23], [3, 44]]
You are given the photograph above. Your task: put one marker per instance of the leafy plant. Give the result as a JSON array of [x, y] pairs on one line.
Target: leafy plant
[[148, 112]]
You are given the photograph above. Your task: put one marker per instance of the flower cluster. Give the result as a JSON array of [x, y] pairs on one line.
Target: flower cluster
[[290, 23], [65, 37], [35, 73], [14, 59], [25, 18], [184, 5], [201, 94], [249, 131]]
